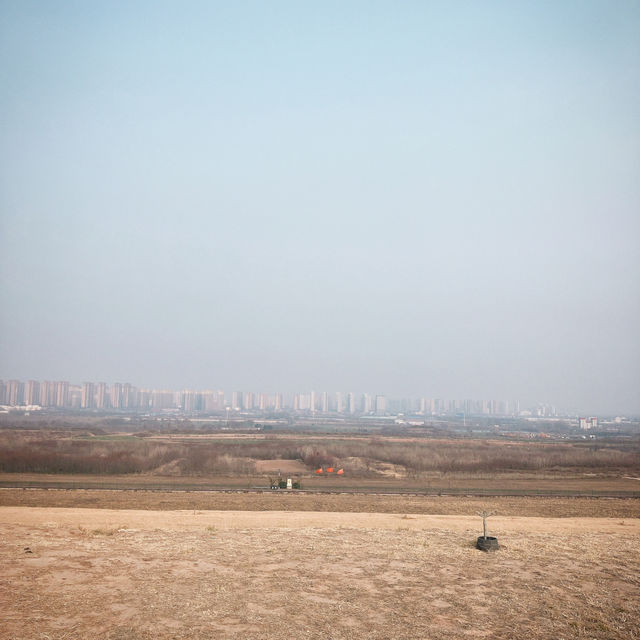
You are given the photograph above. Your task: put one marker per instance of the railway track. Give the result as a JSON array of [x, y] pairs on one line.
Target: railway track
[[363, 491]]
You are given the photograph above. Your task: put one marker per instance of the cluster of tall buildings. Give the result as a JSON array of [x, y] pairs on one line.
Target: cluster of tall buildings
[[99, 395], [122, 396], [15, 393], [61, 394]]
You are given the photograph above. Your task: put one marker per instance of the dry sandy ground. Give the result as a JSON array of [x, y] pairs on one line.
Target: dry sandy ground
[[197, 520], [125, 574]]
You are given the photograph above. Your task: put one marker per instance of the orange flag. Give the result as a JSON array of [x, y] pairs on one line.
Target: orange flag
[[340, 472], [330, 470], [319, 470]]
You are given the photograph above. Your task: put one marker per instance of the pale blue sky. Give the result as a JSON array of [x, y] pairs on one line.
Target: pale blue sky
[[424, 198]]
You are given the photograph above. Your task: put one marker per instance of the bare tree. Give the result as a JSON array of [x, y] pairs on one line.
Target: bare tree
[[484, 515]]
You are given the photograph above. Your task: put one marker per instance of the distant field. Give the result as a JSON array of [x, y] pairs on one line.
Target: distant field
[[513, 483], [407, 459], [127, 575]]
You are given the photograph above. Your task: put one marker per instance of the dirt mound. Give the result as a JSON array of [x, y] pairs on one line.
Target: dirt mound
[[172, 468], [390, 470]]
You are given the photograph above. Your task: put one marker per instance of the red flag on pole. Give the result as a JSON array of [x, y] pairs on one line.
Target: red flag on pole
[[319, 470], [330, 470], [340, 472]]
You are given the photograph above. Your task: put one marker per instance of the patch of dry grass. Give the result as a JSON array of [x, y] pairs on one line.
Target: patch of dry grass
[[333, 582], [281, 501]]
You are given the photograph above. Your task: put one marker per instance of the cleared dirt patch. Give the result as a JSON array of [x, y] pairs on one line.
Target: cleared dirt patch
[[272, 576], [284, 466]]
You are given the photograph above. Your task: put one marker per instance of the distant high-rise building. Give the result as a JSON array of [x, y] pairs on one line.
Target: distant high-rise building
[[351, 403], [116, 395], [312, 401], [47, 394], [129, 396], [248, 401], [236, 400], [162, 399], [143, 398], [339, 402], [324, 402], [209, 401], [189, 400], [545, 410], [88, 395], [381, 405], [15, 393], [32, 393], [401, 405], [62, 393], [102, 396], [3, 393], [278, 404], [74, 396], [367, 403]]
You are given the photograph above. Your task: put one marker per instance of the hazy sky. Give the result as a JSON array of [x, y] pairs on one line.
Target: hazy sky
[[411, 198]]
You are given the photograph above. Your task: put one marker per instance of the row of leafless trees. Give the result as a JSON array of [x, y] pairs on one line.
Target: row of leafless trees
[[121, 458], [139, 455]]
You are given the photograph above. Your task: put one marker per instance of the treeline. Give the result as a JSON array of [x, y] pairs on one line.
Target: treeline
[[119, 457], [475, 456], [37, 454]]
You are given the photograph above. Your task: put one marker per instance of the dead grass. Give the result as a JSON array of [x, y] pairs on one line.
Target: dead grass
[[336, 582], [434, 483], [281, 501], [50, 451]]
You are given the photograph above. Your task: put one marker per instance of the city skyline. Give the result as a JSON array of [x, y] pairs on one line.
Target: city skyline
[[394, 196], [63, 394], [526, 401]]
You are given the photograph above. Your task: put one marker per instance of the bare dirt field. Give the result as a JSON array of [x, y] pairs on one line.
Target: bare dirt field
[[127, 574]]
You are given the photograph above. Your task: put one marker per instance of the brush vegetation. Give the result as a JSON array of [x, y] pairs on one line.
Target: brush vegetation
[[68, 453]]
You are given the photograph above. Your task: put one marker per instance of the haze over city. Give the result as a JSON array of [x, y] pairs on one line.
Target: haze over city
[[417, 199]]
